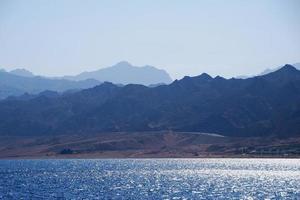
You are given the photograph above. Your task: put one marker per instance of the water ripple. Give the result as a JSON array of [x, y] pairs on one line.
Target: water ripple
[[150, 179]]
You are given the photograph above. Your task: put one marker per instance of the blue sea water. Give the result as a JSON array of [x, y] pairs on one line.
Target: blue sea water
[[150, 179]]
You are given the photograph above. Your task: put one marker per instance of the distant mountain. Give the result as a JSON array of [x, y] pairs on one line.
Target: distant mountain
[[20, 81], [22, 72], [14, 85], [261, 106], [125, 73]]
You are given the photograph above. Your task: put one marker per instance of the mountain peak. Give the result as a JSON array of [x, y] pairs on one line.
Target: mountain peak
[[285, 70], [288, 67], [284, 74], [125, 73], [123, 64], [204, 76]]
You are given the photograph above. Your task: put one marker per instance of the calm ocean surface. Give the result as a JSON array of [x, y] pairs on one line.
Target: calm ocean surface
[[150, 179]]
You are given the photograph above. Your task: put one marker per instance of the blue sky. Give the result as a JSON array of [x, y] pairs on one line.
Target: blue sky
[[186, 37]]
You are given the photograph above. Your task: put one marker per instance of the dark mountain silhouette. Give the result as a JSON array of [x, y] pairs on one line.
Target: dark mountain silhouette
[[15, 85], [261, 106], [125, 73]]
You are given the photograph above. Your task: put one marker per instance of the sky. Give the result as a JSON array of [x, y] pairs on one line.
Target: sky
[[184, 37]]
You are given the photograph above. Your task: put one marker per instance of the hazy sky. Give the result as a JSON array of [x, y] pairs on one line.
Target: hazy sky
[[186, 37]]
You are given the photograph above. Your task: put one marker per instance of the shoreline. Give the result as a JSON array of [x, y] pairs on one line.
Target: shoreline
[[94, 157], [146, 145]]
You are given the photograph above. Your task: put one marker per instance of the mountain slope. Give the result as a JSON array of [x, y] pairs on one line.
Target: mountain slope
[[260, 106], [125, 73]]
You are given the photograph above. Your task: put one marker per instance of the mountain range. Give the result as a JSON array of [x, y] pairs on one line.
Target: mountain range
[[20, 81], [267, 105]]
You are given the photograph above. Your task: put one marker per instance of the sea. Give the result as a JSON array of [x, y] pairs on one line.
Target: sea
[[150, 179]]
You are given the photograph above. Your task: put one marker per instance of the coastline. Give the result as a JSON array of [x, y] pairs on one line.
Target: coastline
[[106, 156]]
